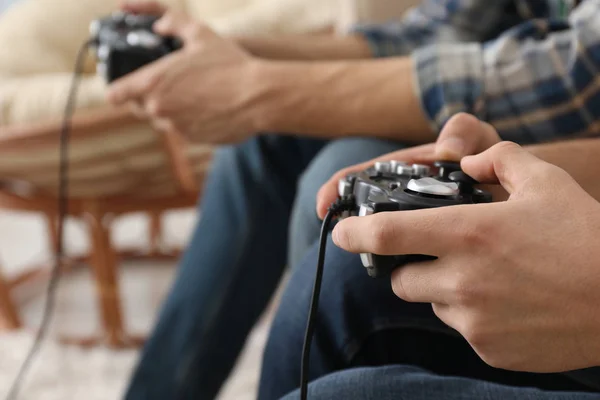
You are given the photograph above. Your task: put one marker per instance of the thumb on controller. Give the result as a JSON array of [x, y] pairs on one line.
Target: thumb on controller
[[513, 167]]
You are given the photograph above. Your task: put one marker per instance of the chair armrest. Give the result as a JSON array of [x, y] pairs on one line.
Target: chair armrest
[[91, 123], [84, 123]]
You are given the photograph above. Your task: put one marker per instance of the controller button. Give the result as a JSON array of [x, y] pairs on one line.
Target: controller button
[[465, 182], [405, 170], [118, 17], [95, 28], [133, 20], [453, 165], [143, 39], [367, 260], [480, 196], [395, 164], [421, 170], [461, 177], [365, 210], [383, 167], [103, 52], [446, 167], [433, 186], [344, 188]]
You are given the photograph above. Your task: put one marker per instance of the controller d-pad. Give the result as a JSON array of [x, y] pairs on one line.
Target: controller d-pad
[[433, 186]]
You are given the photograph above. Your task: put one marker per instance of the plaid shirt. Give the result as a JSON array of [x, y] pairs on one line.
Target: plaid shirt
[[529, 67]]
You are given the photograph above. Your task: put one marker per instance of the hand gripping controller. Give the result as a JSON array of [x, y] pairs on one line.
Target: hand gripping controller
[[397, 186], [125, 42]]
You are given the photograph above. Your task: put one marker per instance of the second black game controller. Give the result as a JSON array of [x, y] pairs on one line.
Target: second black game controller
[[398, 186], [126, 42]]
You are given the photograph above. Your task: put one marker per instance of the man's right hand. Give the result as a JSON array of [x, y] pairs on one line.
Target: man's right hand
[[461, 137]]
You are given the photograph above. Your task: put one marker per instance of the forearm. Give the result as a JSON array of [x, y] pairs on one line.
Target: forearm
[[306, 47], [343, 98], [578, 157]]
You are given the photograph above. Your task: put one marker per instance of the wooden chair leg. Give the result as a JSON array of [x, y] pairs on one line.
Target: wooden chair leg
[[155, 233], [52, 227], [9, 318], [104, 263]]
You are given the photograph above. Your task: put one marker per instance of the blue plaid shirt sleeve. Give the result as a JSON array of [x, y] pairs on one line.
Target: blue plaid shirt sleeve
[[538, 81], [434, 21]]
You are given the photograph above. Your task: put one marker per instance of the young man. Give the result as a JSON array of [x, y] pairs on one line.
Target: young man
[[340, 100], [507, 311]]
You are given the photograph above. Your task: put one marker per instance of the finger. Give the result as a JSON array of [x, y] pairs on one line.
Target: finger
[[163, 125], [137, 109], [433, 232], [329, 191], [464, 135], [448, 315], [138, 84], [182, 26], [508, 164], [143, 7], [425, 282]]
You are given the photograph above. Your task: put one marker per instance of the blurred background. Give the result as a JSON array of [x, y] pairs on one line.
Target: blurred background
[[4, 4], [133, 192]]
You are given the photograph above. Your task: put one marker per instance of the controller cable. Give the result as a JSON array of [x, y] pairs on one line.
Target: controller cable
[[63, 209], [341, 205]]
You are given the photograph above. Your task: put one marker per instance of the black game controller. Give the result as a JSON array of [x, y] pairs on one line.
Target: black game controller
[[397, 186], [125, 42]]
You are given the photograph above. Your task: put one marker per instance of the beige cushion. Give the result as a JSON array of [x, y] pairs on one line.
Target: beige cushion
[[130, 160]]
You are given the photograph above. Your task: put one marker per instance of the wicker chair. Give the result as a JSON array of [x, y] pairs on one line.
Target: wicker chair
[[118, 165]]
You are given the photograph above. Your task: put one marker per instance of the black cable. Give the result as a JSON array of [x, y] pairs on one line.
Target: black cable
[[342, 204], [63, 208]]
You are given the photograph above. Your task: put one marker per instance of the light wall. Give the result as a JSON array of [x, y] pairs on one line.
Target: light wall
[[5, 3]]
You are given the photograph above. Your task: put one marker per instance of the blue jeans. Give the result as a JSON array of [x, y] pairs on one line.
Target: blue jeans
[[401, 382], [236, 258], [371, 344]]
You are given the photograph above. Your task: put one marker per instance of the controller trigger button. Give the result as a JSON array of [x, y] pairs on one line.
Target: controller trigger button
[[345, 187], [365, 210], [405, 170], [384, 167], [421, 170]]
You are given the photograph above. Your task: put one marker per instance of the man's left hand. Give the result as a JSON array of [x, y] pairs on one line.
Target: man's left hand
[[519, 279], [202, 91]]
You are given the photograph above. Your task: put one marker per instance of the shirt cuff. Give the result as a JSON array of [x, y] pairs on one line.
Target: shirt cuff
[[450, 79]]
